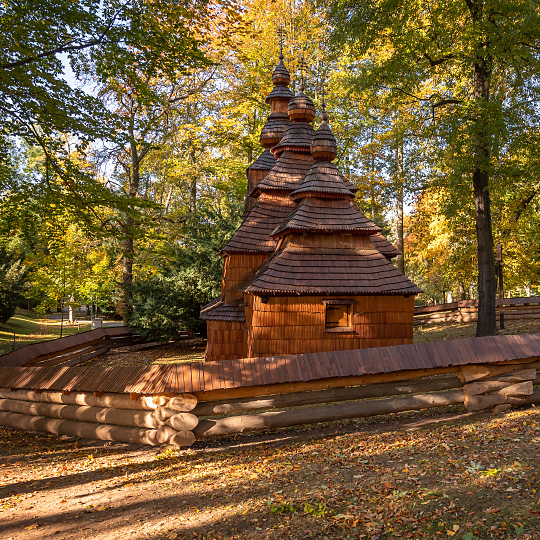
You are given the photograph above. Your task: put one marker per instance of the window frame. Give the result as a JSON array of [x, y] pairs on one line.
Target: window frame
[[345, 302]]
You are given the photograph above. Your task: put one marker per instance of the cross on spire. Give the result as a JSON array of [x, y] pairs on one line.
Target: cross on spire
[[302, 66], [324, 116], [282, 33]]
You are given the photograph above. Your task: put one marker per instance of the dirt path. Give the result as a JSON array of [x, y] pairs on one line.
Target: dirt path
[[413, 475]]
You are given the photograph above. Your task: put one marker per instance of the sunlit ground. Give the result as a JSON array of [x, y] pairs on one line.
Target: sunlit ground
[[430, 474], [439, 332]]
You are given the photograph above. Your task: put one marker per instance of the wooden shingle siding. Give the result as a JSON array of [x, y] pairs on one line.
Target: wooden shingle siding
[[303, 237], [294, 326]]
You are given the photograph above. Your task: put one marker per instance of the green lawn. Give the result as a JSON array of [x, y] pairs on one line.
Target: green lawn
[[31, 328]]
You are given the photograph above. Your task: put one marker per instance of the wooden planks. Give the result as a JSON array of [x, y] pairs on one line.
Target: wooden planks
[[284, 325], [274, 374]]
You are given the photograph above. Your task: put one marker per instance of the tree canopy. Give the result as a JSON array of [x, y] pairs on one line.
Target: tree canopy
[[127, 126]]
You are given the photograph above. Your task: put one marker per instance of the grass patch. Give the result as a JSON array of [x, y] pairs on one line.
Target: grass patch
[[444, 331], [30, 328]]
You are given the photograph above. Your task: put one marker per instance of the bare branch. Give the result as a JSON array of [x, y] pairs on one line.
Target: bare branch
[[446, 102], [439, 61], [196, 90]]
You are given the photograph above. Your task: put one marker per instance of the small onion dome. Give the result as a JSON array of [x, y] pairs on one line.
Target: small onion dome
[[324, 147], [281, 75], [323, 180], [301, 108], [274, 129]]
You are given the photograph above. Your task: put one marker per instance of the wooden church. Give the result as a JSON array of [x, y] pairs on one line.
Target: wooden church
[[306, 271]]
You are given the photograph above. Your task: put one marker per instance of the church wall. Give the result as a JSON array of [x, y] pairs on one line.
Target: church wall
[[226, 340], [237, 268], [254, 176], [286, 325]]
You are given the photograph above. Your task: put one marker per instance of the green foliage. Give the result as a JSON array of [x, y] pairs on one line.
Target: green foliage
[[13, 274], [281, 507], [170, 300]]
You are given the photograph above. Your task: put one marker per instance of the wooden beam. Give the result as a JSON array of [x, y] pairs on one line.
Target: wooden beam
[[110, 400], [325, 413], [79, 429], [336, 382], [474, 372], [331, 395]]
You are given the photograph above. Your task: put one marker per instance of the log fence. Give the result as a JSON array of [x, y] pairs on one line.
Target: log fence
[[152, 405], [466, 311], [180, 420], [71, 350]]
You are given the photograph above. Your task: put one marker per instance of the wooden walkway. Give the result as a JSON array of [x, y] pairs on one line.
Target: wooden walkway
[[421, 359]]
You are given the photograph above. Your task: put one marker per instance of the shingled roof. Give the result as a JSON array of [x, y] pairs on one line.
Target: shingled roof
[[264, 162], [255, 233], [384, 246], [273, 204], [298, 137], [287, 174], [218, 310], [314, 215], [318, 271], [323, 180], [302, 266]]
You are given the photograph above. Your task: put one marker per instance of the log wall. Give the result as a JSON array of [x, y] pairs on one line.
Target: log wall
[[254, 177], [151, 420], [285, 325]]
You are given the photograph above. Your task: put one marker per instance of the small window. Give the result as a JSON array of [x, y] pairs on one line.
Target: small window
[[338, 315]]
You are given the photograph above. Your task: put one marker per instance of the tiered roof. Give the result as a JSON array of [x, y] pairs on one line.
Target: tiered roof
[[273, 204], [307, 264], [274, 129], [298, 270]]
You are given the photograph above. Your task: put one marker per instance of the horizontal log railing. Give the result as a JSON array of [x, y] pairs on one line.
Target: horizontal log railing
[[467, 311], [178, 404], [70, 350], [180, 420]]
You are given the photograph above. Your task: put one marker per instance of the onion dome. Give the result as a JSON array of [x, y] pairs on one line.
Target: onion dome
[[301, 108], [324, 147], [281, 75], [278, 121]]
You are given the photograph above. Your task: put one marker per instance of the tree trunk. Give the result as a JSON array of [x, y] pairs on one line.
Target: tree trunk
[[193, 186], [372, 173], [400, 260], [487, 321], [129, 248], [462, 295]]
